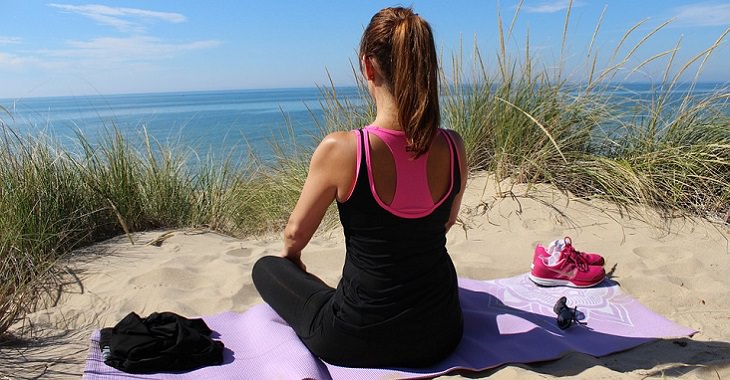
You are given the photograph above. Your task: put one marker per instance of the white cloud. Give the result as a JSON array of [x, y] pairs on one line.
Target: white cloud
[[123, 19], [10, 60], [703, 14], [549, 6], [127, 49], [15, 61], [134, 51], [136, 47], [7, 40], [103, 53]]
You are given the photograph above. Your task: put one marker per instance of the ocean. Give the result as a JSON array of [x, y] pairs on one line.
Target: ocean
[[212, 123], [218, 124]]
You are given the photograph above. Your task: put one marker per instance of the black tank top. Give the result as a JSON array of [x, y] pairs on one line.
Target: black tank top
[[398, 277]]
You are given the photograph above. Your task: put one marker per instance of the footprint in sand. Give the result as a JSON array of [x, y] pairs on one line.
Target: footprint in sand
[[239, 252], [681, 267], [166, 277], [541, 224], [663, 253]]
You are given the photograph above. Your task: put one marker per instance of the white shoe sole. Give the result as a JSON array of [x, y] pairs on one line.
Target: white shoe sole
[[558, 282]]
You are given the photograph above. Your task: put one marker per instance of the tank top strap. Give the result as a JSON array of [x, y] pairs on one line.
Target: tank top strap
[[412, 198]]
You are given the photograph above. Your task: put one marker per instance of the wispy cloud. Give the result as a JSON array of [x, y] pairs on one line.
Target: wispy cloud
[[123, 19], [16, 60], [703, 14], [128, 49], [135, 49], [9, 59], [138, 46], [6, 40], [549, 6]]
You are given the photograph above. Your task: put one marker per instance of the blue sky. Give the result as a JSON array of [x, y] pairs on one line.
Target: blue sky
[[66, 47]]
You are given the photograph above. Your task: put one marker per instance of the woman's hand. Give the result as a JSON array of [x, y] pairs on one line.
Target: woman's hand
[[296, 258]]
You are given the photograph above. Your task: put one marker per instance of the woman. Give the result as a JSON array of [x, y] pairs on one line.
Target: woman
[[398, 184]]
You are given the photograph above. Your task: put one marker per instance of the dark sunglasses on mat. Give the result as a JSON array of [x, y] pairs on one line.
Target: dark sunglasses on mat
[[566, 315]]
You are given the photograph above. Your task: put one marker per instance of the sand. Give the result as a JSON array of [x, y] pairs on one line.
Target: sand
[[678, 268]]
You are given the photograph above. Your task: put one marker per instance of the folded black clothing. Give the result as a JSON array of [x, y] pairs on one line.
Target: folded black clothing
[[161, 342]]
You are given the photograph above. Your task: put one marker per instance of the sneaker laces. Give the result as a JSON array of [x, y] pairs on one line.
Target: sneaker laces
[[576, 257]]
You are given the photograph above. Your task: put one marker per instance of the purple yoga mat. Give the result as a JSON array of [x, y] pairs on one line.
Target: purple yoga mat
[[506, 321]]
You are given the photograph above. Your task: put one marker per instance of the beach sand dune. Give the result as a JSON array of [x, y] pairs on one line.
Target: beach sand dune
[[678, 268]]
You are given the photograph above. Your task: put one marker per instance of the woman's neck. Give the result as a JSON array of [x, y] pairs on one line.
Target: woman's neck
[[386, 110]]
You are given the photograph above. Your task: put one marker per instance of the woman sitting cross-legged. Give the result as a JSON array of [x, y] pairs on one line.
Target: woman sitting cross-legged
[[398, 184]]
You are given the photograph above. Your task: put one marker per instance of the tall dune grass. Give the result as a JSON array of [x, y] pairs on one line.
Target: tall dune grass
[[43, 216], [669, 150], [520, 121], [55, 200]]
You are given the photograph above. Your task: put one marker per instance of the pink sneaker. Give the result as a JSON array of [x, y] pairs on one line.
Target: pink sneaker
[[571, 269], [565, 246]]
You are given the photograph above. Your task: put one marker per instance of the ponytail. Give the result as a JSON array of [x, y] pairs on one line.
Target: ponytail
[[402, 43]]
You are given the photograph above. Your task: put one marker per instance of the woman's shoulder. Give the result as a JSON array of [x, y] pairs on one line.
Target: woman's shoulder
[[337, 145], [339, 140], [454, 135], [340, 136]]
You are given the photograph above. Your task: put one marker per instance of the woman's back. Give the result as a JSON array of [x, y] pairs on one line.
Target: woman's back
[[396, 264], [438, 165], [398, 281]]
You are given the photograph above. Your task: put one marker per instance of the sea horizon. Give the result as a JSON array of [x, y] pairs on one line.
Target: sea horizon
[[5, 99], [213, 123]]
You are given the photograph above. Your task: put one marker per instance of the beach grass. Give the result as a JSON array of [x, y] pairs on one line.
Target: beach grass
[[668, 149], [522, 121]]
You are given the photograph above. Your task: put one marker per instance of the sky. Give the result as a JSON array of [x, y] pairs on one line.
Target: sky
[[72, 48]]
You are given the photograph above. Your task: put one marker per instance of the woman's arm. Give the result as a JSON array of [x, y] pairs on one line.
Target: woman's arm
[[331, 172], [464, 168]]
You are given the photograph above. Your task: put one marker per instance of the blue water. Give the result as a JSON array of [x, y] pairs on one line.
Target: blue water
[[215, 123], [219, 124]]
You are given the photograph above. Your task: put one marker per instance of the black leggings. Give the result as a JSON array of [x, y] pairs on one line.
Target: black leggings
[[297, 296], [305, 303]]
